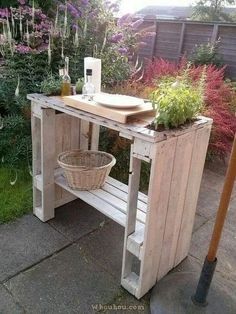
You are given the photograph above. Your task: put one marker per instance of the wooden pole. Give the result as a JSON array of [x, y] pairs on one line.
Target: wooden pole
[[224, 204], [208, 269]]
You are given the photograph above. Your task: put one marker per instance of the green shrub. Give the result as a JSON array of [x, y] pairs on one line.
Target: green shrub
[[15, 141], [51, 85], [206, 54]]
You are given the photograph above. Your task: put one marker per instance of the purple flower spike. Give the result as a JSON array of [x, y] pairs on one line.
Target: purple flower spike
[[75, 27], [116, 38], [74, 11], [123, 51], [23, 49], [4, 13], [85, 2]]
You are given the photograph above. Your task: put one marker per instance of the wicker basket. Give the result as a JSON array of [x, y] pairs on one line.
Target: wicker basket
[[86, 170]]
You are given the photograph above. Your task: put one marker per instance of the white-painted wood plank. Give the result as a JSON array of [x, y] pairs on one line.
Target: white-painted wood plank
[[131, 283], [48, 163], [75, 133], [84, 135], [158, 194], [123, 187], [95, 201], [132, 202], [135, 241], [178, 188], [36, 145], [95, 136], [36, 110], [123, 195], [194, 181], [118, 203], [64, 200], [135, 128]]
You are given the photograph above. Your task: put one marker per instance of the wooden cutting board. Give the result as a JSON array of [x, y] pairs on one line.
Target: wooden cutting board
[[119, 115]]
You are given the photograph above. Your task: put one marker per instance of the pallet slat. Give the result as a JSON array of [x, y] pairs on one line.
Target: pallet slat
[[123, 187]]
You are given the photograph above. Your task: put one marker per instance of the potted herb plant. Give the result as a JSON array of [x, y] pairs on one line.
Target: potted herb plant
[[177, 103]]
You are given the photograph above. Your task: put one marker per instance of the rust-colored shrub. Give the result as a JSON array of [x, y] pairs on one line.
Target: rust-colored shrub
[[220, 99]]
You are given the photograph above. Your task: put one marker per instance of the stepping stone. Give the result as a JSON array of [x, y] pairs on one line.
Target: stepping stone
[[67, 282], [77, 219], [7, 303], [25, 242]]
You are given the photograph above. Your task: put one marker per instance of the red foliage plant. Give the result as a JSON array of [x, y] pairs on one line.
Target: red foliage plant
[[219, 96]]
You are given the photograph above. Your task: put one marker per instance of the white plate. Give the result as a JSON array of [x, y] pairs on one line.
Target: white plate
[[118, 101]]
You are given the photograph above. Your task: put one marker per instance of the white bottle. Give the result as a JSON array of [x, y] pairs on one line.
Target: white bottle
[[88, 88]]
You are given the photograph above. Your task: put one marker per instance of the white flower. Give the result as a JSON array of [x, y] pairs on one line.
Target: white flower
[[17, 91]]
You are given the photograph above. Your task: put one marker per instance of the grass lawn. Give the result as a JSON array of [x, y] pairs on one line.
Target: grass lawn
[[15, 200]]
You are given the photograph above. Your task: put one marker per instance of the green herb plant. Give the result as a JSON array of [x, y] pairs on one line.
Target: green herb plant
[[177, 102]]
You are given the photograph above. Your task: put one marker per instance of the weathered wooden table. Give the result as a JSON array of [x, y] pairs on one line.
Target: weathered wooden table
[[158, 227]]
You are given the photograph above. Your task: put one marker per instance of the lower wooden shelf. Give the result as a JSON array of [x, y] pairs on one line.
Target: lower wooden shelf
[[110, 200]]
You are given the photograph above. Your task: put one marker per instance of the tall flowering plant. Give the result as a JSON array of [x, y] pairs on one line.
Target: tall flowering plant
[[34, 43], [79, 28]]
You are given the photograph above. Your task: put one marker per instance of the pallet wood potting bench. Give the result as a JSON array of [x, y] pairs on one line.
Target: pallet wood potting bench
[[158, 226]]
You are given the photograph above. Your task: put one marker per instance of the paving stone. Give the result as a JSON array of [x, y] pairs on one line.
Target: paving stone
[[217, 166], [66, 282], [231, 216], [8, 304], [226, 253], [198, 222], [25, 242], [105, 247], [208, 202], [192, 264], [76, 219], [215, 181], [173, 293], [126, 303]]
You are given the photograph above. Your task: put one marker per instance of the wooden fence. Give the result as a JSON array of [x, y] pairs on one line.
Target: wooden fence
[[174, 38]]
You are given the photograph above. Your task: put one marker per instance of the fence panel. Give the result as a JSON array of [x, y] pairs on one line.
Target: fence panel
[[176, 38]]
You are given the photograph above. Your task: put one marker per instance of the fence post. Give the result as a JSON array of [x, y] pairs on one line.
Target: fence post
[[181, 40], [155, 40], [214, 33]]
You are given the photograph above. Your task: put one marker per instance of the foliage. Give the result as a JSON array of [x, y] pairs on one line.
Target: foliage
[[34, 43], [51, 85], [15, 199], [44, 4], [212, 10], [8, 3], [111, 142], [15, 141], [79, 85], [75, 32], [115, 69], [206, 54], [219, 98], [176, 103], [159, 68]]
